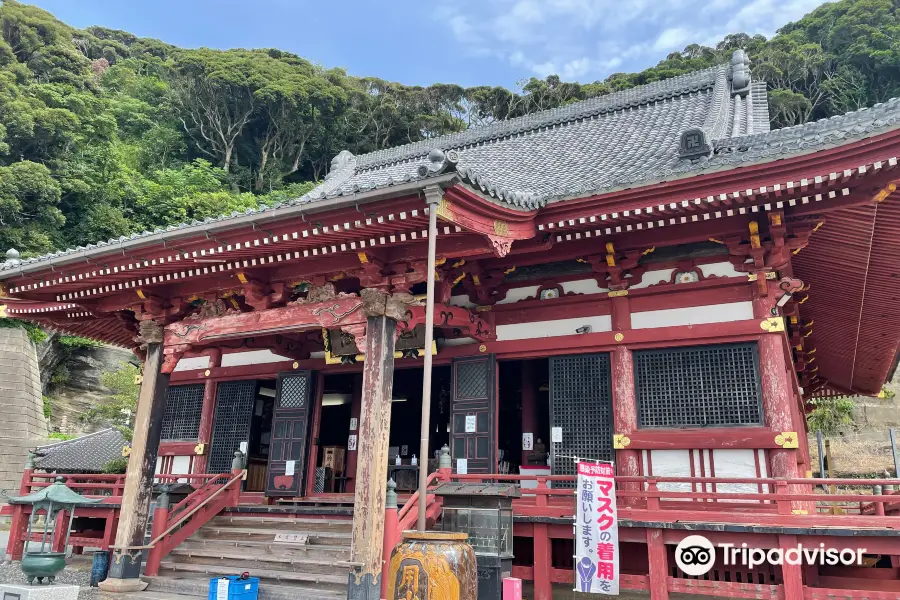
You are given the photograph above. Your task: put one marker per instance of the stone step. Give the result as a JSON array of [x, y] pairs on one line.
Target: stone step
[[266, 576], [213, 547], [214, 532], [240, 560], [285, 524], [185, 585]]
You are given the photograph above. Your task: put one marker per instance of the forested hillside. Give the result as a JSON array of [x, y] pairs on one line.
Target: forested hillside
[[104, 134]]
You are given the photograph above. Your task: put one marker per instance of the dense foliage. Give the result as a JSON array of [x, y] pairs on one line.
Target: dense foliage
[[104, 134]]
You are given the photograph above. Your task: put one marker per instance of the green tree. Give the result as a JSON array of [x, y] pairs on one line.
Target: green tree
[[119, 410]]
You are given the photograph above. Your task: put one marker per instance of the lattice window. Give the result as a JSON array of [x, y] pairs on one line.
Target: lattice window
[[581, 404], [184, 405], [472, 380], [294, 392], [234, 410], [698, 386]]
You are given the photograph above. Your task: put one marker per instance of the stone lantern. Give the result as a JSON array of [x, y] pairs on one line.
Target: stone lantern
[[49, 502]]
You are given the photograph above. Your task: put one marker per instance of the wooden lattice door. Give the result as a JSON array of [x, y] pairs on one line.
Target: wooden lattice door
[[473, 414], [290, 423]]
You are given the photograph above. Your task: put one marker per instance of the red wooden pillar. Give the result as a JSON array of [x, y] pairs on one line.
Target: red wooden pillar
[[160, 523], [628, 462], [792, 575], [57, 544], [529, 404], [659, 568], [207, 413], [777, 391], [355, 407], [15, 546], [543, 588], [391, 533]]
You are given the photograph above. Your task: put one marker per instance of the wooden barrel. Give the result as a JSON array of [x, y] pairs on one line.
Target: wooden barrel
[[433, 565]]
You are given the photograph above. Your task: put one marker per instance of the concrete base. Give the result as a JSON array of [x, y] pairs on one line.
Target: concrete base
[[121, 586], [38, 592]]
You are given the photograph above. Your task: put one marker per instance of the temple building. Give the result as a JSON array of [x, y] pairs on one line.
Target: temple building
[[651, 277]]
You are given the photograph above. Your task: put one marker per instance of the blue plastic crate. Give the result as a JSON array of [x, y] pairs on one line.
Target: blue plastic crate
[[238, 589]]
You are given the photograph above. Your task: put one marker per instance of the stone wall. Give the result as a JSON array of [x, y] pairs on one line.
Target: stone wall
[[21, 405]]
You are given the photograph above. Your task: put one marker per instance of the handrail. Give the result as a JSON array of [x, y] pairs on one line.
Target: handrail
[[172, 527], [413, 500], [197, 493], [181, 519]]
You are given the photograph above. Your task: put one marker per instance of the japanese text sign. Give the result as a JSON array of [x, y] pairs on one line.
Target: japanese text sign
[[596, 530]]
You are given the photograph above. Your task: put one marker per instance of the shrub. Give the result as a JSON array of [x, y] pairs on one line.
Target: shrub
[[116, 466]]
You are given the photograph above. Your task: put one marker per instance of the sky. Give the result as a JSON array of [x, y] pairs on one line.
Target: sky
[[467, 42]]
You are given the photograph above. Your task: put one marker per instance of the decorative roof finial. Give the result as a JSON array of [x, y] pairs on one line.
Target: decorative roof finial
[[342, 162], [740, 73], [694, 144], [12, 257]]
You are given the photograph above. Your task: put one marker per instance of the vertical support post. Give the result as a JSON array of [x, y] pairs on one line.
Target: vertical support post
[[374, 427], [60, 532], [433, 196], [391, 532], [160, 522], [15, 546], [125, 570], [821, 448], [529, 404], [207, 412], [777, 395], [792, 575], [628, 462], [352, 455], [659, 568], [543, 587], [893, 434]]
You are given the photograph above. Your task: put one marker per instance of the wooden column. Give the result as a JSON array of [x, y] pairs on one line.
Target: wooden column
[[352, 455], [792, 575], [777, 395], [628, 462], [374, 428], [207, 412], [125, 568], [529, 402], [659, 568]]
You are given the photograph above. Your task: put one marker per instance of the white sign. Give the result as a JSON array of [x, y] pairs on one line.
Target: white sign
[[462, 466], [289, 467], [353, 423], [243, 447], [351, 443], [222, 588], [556, 435], [291, 538], [596, 530], [471, 424], [527, 441]]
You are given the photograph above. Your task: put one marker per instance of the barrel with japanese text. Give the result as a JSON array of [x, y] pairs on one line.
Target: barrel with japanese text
[[433, 565]]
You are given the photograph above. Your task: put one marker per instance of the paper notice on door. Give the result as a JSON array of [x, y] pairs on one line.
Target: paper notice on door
[[353, 423], [243, 448], [289, 467], [471, 424], [351, 443], [527, 441], [462, 466], [222, 586], [556, 435]]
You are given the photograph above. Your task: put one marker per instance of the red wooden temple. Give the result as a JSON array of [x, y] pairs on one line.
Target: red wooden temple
[[654, 272]]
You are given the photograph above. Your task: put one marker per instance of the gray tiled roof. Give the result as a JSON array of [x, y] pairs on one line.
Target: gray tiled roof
[[86, 454], [621, 140]]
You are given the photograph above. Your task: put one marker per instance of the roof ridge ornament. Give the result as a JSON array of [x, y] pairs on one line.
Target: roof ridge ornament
[[340, 164], [12, 258], [740, 73], [438, 162], [694, 144]]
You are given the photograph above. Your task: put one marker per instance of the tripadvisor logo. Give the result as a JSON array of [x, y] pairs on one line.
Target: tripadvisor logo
[[695, 555]]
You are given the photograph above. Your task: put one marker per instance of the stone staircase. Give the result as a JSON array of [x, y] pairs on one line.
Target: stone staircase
[[230, 545]]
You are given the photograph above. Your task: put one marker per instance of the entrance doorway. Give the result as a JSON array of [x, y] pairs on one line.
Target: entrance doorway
[[260, 436]]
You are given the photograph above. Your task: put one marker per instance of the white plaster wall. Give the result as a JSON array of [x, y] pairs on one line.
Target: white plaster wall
[[193, 363], [693, 315], [583, 286], [457, 341], [719, 269], [738, 464], [670, 463], [516, 294], [461, 301], [557, 327], [253, 357]]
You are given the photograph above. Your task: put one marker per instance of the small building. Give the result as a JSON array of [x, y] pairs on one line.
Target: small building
[[650, 277], [85, 454]]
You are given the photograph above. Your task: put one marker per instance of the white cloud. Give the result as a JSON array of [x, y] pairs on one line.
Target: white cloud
[[586, 40], [672, 38]]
